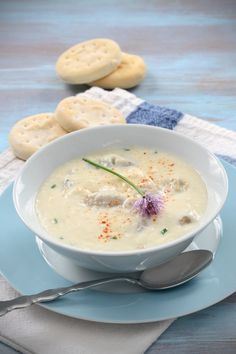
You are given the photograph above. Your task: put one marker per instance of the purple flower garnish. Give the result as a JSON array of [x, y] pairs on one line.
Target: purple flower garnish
[[149, 205]]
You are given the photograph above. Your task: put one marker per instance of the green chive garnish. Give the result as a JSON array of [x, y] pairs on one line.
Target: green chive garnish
[[55, 221], [164, 231], [126, 149], [53, 186]]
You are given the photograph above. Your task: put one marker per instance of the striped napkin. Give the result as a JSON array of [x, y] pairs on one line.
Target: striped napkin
[[39, 331]]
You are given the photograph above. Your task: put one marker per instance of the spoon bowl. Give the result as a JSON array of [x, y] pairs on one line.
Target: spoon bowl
[[177, 271], [173, 273]]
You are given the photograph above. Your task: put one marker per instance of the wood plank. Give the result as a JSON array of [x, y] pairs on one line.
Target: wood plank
[[211, 331]]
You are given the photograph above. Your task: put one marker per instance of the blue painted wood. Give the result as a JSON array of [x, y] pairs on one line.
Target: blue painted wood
[[190, 51], [5, 349], [207, 332]]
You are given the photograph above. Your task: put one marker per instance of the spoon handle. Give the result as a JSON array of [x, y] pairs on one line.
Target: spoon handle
[[52, 294]]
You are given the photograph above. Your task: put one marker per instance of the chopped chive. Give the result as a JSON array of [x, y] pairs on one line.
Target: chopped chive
[[164, 231], [126, 149], [55, 221], [53, 186], [61, 238], [155, 152], [114, 238]]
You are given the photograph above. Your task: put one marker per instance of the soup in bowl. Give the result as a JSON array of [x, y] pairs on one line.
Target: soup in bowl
[[120, 198]]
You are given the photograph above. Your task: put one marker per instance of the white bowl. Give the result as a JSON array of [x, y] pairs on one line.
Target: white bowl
[[84, 142]]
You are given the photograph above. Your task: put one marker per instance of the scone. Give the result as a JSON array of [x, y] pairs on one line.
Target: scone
[[77, 112], [31, 133], [88, 61], [129, 73]]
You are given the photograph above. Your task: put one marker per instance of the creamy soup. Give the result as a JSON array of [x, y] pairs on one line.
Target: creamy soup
[[89, 208]]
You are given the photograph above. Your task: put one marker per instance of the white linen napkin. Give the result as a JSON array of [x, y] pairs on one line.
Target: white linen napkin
[[37, 330]]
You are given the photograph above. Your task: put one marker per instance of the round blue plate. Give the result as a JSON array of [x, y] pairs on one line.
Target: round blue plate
[[25, 269]]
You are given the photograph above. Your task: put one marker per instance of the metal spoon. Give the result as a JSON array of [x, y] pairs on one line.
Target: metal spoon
[[168, 275]]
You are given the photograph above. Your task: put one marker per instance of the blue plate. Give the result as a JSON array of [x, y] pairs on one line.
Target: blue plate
[[25, 269]]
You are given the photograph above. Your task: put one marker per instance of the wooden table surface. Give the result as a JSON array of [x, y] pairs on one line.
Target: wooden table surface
[[190, 51]]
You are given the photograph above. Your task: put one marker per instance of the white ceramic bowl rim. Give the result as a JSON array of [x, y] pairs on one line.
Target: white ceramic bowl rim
[[147, 250]]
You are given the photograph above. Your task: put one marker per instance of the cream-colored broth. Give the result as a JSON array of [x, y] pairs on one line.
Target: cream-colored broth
[[90, 208]]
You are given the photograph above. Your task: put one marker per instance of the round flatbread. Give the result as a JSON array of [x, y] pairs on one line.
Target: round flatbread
[[31, 133], [129, 73], [88, 61], [74, 113]]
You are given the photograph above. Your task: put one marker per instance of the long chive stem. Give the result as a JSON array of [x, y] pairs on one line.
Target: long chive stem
[[116, 174]]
